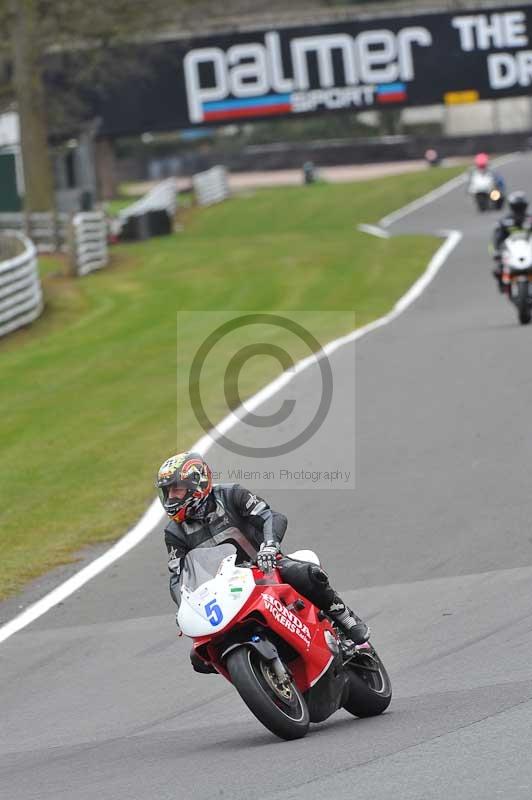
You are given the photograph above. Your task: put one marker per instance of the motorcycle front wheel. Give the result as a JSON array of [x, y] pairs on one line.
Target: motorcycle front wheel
[[280, 707], [523, 303], [482, 201], [370, 688]]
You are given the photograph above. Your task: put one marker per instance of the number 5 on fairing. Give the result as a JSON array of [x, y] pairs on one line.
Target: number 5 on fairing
[[214, 612]]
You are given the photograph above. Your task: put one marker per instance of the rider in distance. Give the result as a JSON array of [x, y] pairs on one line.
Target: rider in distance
[[516, 221]]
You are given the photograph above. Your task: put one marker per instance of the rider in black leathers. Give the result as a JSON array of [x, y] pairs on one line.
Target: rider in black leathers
[[515, 221], [204, 515]]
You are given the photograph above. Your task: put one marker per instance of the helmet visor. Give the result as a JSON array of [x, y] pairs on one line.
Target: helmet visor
[[175, 495]]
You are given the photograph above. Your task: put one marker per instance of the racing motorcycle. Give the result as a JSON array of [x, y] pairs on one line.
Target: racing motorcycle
[[517, 273], [486, 192], [288, 662]]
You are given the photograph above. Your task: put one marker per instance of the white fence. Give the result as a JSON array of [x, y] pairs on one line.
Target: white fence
[[48, 231], [20, 286], [211, 186], [89, 242]]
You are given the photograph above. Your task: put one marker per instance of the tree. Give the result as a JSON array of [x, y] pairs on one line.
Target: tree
[[35, 30], [31, 104]]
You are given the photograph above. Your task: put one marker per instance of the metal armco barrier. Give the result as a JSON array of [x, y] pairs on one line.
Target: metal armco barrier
[[211, 186], [89, 242], [48, 231], [20, 286]]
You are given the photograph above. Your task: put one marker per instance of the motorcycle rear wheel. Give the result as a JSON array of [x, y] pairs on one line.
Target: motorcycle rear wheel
[[280, 708], [370, 688]]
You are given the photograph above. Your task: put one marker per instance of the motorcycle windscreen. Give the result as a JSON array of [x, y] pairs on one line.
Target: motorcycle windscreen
[[518, 236], [201, 564]]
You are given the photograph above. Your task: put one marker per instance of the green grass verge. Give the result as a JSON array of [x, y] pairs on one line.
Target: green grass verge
[[119, 203], [88, 403]]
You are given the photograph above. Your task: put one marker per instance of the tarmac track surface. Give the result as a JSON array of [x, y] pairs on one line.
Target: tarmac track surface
[[433, 547]]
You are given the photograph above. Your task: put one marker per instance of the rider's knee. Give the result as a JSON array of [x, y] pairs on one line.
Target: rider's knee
[[309, 579]]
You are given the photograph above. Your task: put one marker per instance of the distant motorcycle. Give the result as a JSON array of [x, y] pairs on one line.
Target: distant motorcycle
[[517, 274], [485, 191], [283, 656]]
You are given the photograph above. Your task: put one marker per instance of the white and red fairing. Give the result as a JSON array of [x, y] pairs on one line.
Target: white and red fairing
[[235, 595]]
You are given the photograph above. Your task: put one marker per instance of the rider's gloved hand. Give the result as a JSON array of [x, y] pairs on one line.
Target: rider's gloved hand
[[267, 555]]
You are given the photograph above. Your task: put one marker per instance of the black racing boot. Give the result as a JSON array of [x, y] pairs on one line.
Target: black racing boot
[[313, 582], [352, 626]]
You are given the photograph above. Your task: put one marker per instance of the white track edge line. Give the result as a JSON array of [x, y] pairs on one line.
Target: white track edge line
[[374, 230], [153, 516]]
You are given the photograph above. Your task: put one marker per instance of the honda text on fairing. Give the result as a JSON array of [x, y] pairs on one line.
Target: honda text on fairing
[[283, 656], [517, 273]]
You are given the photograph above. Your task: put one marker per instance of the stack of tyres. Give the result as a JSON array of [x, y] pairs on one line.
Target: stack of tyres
[[159, 223], [135, 228], [142, 226]]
